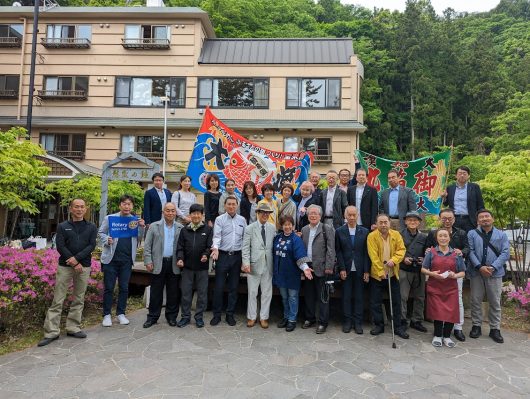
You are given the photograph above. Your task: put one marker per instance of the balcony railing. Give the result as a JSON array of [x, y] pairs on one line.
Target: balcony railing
[[150, 155], [322, 157], [145, 44], [66, 42], [10, 41], [79, 155], [79, 95], [8, 94]]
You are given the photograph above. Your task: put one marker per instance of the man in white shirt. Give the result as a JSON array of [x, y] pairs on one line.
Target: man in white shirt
[[226, 250]]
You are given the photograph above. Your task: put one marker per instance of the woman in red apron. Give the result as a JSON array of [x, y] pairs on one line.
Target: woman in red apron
[[443, 266]]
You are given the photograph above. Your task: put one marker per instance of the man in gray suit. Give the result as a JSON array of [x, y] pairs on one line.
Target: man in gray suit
[[160, 259], [396, 201], [319, 239], [333, 202], [117, 259], [257, 263]]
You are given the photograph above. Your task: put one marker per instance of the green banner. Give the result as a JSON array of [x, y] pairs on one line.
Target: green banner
[[426, 176]]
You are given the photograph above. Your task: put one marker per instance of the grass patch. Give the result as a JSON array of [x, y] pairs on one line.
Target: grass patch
[[513, 319], [29, 335]]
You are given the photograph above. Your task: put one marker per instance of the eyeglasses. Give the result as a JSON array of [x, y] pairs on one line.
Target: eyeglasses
[[447, 219]]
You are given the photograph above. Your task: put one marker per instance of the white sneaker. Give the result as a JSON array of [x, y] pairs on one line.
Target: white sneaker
[[449, 343], [123, 320], [437, 342], [107, 321]]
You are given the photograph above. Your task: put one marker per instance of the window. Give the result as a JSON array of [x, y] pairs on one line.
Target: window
[[64, 144], [319, 146], [313, 93], [9, 86], [66, 84], [148, 146], [11, 35], [234, 93], [148, 92], [146, 37], [69, 32]]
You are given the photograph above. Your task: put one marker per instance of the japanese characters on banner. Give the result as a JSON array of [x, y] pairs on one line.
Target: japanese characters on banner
[[221, 151], [426, 176]]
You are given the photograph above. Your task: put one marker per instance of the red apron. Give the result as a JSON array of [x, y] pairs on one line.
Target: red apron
[[442, 295]]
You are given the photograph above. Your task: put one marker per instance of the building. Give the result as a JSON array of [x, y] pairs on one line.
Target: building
[[102, 75]]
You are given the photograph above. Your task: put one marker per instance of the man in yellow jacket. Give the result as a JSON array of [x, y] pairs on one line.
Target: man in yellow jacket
[[386, 250]]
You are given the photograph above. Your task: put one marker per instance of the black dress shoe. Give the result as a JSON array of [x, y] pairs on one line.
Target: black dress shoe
[[459, 335], [475, 332], [79, 334], [149, 323], [321, 329], [282, 323], [346, 328], [183, 322], [230, 320], [358, 329], [402, 333], [496, 336], [199, 323], [418, 326], [308, 324], [215, 320], [291, 325], [377, 330], [46, 341], [172, 323]]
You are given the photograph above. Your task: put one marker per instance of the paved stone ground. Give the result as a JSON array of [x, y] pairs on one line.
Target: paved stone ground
[[238, 362]]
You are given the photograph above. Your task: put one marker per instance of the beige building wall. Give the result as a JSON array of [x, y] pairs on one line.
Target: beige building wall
[[106, 59]]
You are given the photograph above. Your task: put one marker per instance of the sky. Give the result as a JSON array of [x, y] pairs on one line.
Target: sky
[[439, 5]]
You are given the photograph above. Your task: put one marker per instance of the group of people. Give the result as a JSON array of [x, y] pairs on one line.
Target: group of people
[[308, 241]]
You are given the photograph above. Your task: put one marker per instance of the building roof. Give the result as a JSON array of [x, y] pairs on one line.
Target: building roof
[[276, 51], [334, 125], [115, 12]]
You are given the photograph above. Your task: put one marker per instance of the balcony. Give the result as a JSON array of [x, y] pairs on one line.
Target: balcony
[[79, 95], [66, 42], [8, 94], [322, 157], [145, 44], [10, 42], [149, 155], [77, 155]]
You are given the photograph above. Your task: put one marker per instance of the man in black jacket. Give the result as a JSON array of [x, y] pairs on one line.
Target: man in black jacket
[[193, 252], [364, 198], [76, 239], [461, 245], [410, 276]]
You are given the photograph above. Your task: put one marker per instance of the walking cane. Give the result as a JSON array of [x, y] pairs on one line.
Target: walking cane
[[391, 309]]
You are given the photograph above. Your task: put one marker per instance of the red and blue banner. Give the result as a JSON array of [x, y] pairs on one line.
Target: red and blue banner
[[220, 150], [427, 176]]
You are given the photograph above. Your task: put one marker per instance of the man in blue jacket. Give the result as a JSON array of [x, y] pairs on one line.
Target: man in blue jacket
[[354, 266], [155, 199], [489, 250]]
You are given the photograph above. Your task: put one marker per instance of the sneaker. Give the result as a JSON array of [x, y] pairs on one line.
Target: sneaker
[[123, 320], [449, 342], [437, 342], [107, 321]]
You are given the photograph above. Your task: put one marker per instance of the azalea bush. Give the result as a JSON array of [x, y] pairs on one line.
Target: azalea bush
[[521, 296], [27, 281]]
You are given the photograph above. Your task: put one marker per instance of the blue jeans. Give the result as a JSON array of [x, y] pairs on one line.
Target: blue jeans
[[290, 303], [122, 271]]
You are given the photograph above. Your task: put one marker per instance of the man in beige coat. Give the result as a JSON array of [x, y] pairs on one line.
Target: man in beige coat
[[160, 260], [257, 263]]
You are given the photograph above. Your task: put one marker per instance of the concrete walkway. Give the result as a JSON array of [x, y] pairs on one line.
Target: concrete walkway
[[238, 362]]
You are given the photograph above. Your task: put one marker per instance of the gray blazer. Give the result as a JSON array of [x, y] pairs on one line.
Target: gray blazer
[[406, 203], [254, 252], [108, 250], [323, 255], [340, 202], [154, 246]]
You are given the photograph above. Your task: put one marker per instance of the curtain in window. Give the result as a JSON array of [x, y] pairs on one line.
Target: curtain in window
[[127, 143], [141, 91]]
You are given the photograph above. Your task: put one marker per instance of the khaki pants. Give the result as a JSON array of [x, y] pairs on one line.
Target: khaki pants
[[65, 275], [254, 281], [415, 282]]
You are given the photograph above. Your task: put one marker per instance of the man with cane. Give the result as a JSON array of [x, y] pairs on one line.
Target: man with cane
[[386, 251]]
